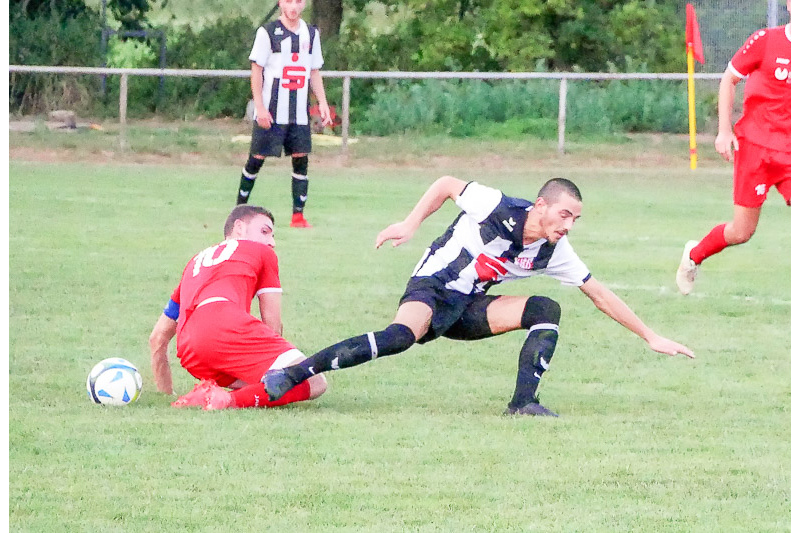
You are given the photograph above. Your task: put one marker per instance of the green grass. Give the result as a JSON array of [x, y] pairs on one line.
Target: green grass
[[413, 442]]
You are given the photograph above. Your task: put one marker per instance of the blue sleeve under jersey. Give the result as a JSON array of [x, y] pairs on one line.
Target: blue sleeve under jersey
[[172, 310]]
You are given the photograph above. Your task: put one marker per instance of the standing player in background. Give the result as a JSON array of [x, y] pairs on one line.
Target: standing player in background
[[760, 147], [285, 62], [219, 341], [496, 238]]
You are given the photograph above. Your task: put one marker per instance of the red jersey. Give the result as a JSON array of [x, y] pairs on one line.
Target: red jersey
[[234, 270], [766, 59]]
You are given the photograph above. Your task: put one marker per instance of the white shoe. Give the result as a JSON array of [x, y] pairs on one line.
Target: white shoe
[[687, 270]]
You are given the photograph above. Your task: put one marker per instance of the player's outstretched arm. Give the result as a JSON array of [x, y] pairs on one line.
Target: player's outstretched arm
[[163, 332], [612, 305], [441, 189]]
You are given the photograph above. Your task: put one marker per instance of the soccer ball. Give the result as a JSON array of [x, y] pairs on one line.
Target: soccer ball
[[114, 381]]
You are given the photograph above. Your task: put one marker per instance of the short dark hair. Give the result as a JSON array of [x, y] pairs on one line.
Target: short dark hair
[[244, 213], [551, 190]]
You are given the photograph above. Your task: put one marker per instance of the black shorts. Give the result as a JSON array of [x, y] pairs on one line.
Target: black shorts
[[289, 138], [455, 315]]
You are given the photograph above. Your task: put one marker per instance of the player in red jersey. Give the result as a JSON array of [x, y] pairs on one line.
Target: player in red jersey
[[219, 341], [760, 145]]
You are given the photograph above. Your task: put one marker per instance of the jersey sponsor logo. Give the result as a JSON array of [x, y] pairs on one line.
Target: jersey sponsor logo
[[783, 74], [761, 189], [525, 262], [510, 223], [490, 268], [294, 78], [278, 30]]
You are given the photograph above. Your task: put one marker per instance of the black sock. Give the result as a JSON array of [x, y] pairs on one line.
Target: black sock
[[245, 186], [299, 193], [354, 351], [534, 359]]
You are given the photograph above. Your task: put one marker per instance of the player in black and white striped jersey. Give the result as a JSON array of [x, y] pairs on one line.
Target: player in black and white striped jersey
[[496, 238], [285, 62]]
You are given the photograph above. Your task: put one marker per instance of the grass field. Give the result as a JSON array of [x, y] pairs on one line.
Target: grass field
[[413, 442]]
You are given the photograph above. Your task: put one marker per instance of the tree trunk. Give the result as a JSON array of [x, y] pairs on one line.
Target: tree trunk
[[327, 15]]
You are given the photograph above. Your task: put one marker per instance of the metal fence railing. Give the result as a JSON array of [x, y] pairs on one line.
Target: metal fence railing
[[347, 76]]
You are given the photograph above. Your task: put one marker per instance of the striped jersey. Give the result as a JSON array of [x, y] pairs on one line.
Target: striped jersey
[[483, 246], [288, 59]]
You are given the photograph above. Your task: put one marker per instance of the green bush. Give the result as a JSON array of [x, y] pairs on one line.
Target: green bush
[[507, 108], [79, 44]]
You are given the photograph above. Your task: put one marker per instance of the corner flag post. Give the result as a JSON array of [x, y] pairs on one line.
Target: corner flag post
[[694, 50]]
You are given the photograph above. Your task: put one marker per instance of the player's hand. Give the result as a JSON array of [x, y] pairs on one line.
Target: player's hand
[[325, 115], [723, 143], [399, 232], [264, 118], [663, 345]]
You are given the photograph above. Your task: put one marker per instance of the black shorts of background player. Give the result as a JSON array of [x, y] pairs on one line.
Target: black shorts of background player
[[496, 238], [285, 62]]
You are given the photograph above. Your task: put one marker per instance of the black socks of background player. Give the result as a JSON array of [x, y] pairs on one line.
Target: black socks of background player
[[249, 173], [299, 183], [354, 351], [541, 316]]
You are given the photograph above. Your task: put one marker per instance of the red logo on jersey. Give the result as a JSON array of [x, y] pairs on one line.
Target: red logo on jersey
[[490, 268], [294, 78]]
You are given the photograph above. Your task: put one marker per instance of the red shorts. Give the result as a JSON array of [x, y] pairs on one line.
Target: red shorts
[[756, 169], [220, 341]]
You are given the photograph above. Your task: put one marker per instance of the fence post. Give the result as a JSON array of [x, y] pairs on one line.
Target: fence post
[[123, 109], [562, 114], [345, 112]]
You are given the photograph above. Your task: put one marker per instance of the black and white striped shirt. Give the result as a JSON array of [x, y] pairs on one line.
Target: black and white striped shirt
[[483, 246], [288, 59]]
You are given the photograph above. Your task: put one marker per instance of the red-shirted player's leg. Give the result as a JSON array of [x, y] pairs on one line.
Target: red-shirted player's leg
[[254, 396]]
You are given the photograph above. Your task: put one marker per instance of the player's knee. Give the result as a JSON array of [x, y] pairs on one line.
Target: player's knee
[[317, 385], [300, 165], [253, 165], [540, 310], [394, 339]]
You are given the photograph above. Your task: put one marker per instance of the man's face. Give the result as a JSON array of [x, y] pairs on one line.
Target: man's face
[[291, 9], [559, 217], [259, 229]]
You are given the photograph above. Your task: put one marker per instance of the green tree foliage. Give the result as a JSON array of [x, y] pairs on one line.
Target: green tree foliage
[[518, 35]]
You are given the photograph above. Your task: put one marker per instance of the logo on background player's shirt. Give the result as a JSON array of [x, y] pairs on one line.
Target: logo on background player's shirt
[[783, 73]]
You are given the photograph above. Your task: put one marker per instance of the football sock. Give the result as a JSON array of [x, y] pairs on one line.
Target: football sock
[[254, 396], [713, 243], [299, 183], [534, 360], [354, 351], [248, 180]]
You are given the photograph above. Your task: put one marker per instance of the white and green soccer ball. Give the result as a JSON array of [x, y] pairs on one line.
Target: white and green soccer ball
[[114, 381]]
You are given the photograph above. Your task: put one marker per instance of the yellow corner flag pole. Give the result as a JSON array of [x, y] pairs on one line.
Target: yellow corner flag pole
[[692, 117]]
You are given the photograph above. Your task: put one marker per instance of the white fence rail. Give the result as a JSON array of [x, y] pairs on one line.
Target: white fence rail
[[347, 75]]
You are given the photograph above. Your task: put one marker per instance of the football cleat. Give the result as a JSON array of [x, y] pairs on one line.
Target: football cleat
[[299, 221], [687, 270], [218, 398], [197, 397], [277, 383], [532, 409]]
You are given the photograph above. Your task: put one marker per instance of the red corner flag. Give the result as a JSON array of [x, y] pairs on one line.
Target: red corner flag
[[693, 41]]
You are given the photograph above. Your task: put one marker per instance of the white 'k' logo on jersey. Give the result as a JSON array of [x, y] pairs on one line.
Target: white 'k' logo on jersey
[[510, 223]]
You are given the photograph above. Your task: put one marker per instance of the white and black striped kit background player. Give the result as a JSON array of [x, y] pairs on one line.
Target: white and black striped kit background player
[[286, 59]]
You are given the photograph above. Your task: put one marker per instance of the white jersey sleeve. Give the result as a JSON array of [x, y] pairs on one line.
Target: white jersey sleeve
[[565, 265], [262, 48], [478, 201]]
